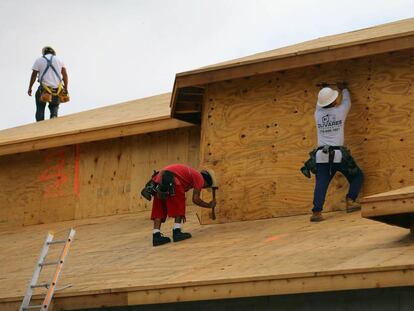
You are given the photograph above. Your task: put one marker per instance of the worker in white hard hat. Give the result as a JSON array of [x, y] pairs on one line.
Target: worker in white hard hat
[[331, 156], [53, 83]]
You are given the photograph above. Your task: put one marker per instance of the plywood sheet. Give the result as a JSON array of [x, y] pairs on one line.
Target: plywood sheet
[[136, 111], [145, 115], [402, 193], [377, 33], [88, 180], [395, 207], [113, 256], [257, 131]]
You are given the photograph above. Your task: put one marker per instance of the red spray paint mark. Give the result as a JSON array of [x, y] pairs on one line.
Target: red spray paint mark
[[76, 178], [276, 237], [54, 174]]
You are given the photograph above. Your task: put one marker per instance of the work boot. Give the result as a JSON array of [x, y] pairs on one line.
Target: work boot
[[159, 239], [316, 216], [352, 205], [179, 236]]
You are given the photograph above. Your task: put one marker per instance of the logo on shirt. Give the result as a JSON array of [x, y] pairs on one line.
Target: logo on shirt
[[329, 124]]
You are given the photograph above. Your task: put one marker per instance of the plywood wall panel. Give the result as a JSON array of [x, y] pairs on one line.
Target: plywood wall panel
[[256, 133], [41, 178], [88, 180]]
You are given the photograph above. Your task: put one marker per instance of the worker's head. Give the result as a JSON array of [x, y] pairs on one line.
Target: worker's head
[[48, 50], [208, 180], [327, 97]]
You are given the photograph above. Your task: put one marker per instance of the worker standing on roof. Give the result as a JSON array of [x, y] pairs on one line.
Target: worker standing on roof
[[168, 187], [331, 156], [50, 71]]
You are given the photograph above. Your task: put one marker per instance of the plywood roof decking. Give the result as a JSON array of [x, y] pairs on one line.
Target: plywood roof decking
[[133, 117], [112, 261], [402, 193], [370, 41], [394, 207], [377, 33]]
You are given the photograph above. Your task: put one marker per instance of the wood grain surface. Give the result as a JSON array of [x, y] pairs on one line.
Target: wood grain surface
[[112, 261], [88, 180], [256, 133]]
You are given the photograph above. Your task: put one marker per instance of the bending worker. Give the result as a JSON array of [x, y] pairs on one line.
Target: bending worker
[[168, 187], [50, 71], [331, 156]]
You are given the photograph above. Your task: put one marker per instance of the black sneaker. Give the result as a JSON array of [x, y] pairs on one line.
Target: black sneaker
[[159, 239], [179, 236]]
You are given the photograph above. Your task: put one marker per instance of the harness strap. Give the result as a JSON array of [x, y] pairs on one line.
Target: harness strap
[[47, 88]]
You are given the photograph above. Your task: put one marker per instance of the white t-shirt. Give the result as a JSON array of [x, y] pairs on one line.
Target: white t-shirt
[[50, 78], [330, 125]]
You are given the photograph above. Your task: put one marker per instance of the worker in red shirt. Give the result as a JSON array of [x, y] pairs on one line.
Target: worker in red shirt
[[168, 187]]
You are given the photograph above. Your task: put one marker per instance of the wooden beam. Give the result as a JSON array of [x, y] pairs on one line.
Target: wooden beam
[[189, 105], [190, 98]]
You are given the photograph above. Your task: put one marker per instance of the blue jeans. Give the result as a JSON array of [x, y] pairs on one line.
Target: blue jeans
[[40, 106], [323, 179]]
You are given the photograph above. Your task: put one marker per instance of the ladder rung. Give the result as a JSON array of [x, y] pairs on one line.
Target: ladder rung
[[56, 242], [49, 263], [40, 285], [32, 307]]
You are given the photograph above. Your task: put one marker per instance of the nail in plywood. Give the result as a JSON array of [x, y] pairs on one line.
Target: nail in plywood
[[394, 207]]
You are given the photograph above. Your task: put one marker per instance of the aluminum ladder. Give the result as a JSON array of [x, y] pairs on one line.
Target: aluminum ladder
[[51, 287]]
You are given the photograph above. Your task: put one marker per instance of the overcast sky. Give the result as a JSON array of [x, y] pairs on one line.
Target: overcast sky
[[119, 50]]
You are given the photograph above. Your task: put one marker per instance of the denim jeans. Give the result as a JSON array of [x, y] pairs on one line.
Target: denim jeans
[[323, 179], [40, 106]]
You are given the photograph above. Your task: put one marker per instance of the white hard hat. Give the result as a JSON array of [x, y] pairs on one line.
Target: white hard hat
[[326, 96]]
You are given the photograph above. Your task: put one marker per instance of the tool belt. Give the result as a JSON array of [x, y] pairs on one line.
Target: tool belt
[[347, 164], [150, 188], [166, 187], [48, 92], [161, 190]]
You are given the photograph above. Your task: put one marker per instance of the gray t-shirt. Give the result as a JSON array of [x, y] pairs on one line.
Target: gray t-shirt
[[330, 125]]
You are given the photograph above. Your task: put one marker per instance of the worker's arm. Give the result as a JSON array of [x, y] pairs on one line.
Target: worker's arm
[[197, 200], [32, 81], [65, 78], [346, 97]]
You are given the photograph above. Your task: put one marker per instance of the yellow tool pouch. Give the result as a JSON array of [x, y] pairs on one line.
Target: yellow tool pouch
[[45, 96], [64, 96]]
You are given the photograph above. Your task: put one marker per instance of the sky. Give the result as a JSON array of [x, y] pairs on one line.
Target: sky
[[120, 50]]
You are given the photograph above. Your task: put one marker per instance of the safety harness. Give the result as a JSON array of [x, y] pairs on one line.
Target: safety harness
[[47, 88]]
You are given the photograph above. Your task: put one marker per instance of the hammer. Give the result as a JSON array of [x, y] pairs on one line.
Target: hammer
[[214, 188], [213, 210]]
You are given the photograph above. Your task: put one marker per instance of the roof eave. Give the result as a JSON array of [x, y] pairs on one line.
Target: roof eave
[[290, 61], [91, 135]]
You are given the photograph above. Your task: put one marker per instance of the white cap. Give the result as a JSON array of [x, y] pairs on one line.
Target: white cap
[[327, 96]]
